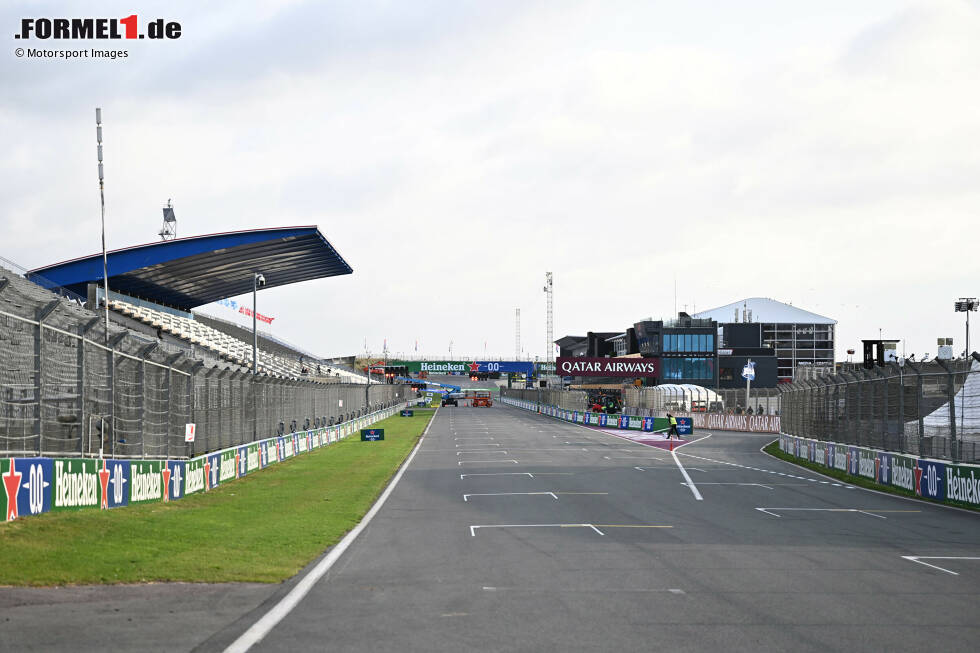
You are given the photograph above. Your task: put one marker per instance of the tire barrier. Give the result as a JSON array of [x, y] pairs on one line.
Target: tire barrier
[[927, 478], [36, 485]]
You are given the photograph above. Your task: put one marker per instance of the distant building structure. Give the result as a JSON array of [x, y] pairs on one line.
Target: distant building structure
[[799, 338]]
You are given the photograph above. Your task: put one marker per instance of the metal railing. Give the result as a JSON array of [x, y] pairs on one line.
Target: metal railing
[[567, 399], [926, 409], [69, 389]]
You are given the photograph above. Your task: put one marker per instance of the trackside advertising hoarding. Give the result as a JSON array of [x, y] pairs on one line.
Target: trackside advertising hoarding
[[613, 367], [624, 422], [32, 486], [930, 479]]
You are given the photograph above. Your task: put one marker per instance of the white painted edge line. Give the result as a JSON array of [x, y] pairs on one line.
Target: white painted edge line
[[466, 497], [919, 559], [750, 484], [690, 483], [476, 526], [501, 460], [865, 489], [863, 512], [270, 619]]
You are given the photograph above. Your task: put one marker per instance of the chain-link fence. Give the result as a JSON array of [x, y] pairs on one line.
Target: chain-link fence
[[567, 399], [926, 409], [68, 388]]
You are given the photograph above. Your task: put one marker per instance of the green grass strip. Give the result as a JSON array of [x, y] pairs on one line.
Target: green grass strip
[[261, 528], [859, 481]]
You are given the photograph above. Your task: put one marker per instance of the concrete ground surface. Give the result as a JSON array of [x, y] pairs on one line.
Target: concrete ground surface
[[510, 531]]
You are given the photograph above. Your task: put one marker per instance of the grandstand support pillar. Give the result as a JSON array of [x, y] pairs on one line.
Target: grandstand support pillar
[[192, 416], [85, 429], [170, 362], [208, 422], [40, 315], [141, 410]]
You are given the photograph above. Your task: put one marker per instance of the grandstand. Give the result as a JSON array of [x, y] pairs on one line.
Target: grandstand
[[68, 388]]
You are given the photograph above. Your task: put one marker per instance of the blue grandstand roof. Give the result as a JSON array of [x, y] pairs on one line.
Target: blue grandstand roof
[[189, 272]]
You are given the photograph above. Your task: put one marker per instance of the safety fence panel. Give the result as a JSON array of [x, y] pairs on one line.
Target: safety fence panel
[[924, 409]]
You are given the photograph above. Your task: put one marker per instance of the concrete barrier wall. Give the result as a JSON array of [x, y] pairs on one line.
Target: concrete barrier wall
[[36, 485], [930, 479]]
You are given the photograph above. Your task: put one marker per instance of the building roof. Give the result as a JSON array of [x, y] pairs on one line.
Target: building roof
[[568, 341], [189, 272], [764, 310]]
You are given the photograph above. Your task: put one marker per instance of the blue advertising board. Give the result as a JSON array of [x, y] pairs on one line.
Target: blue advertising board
[[372, 435], [407, 413], [685, 426], [28, 483], [930, 477], [175, 479]]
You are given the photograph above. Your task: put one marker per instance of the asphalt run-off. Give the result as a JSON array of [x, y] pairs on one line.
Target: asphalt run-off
[[513, 531]]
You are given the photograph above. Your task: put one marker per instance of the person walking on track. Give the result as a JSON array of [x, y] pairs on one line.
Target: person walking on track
[[673, 427]]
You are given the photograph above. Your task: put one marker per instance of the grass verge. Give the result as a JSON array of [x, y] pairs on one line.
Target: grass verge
[[262, 528], [858, 481]]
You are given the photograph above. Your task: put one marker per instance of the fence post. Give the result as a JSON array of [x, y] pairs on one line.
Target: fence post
[[951, 400]]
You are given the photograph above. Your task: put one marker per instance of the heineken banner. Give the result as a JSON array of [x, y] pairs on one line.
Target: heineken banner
[[467, 367], [36, 485], [930, 479]]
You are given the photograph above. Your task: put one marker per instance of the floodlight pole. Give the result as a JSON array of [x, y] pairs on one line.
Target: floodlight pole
[[105, 258]]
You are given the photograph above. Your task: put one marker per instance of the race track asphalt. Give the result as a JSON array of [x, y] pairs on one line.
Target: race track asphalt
[[510, 531]]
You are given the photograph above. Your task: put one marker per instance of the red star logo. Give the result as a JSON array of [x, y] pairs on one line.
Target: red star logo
[[237, 462], [918, 480], [104, 482], [877, 469], [11, 484], [207, 475], [165, 472], [474, 367]]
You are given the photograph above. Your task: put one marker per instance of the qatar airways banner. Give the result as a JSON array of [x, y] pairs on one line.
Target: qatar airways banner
[[621, 367]]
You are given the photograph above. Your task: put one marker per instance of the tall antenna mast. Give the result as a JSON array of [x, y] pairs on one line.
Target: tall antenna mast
[[517, 334], [105, 258], [549, 289]]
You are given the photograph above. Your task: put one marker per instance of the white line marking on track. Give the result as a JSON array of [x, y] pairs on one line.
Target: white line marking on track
[[502, 460], [460, 453], [476, 526], [510, 494], [863, 512], [764, 471], [752, 484], [462, 476], [690, 483], [270, 619], [919, 559]]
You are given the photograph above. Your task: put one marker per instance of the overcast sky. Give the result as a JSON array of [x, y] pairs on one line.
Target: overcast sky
[[821, 153]]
